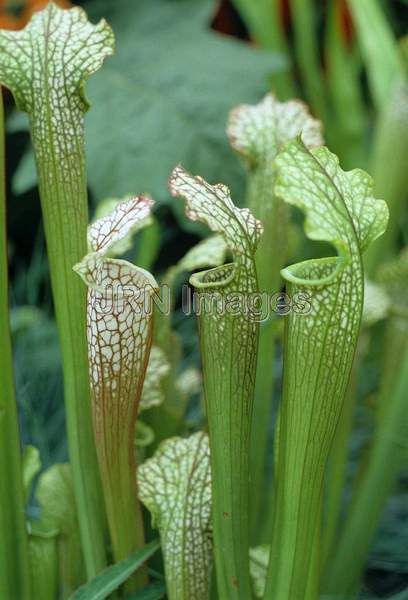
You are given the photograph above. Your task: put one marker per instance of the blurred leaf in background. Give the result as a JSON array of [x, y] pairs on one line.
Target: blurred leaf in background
[[164, 98]]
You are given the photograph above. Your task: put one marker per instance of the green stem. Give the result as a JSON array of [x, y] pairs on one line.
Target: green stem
[[337, 474], [15, 579], [313, 582], [260, 429], [395, 342], [63, 194]]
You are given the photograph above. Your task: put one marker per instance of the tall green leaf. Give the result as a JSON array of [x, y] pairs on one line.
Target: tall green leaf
[[46, 65], [119, 327], [318, 353], [387, 456], [228, 331]]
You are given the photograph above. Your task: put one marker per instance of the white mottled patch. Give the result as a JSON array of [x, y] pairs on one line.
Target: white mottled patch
[[175, 485]]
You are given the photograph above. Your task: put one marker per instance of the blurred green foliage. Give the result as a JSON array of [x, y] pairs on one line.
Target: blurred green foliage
[[164, 98]]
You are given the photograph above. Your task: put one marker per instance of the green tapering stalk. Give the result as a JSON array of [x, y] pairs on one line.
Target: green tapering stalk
[[305, 438], [395, 344], [228, 334], [318, 352], [45, 66], [14, 562], [257, 133]]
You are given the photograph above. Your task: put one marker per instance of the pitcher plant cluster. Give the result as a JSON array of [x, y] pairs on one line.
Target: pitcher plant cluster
[[226, 530]]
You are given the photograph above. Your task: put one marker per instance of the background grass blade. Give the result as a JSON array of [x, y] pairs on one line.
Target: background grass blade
[[110, 579], [318, 353], [378, 46], [307, 55]]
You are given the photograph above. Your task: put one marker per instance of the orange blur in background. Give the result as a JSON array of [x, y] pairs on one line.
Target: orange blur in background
[[14, 14]]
